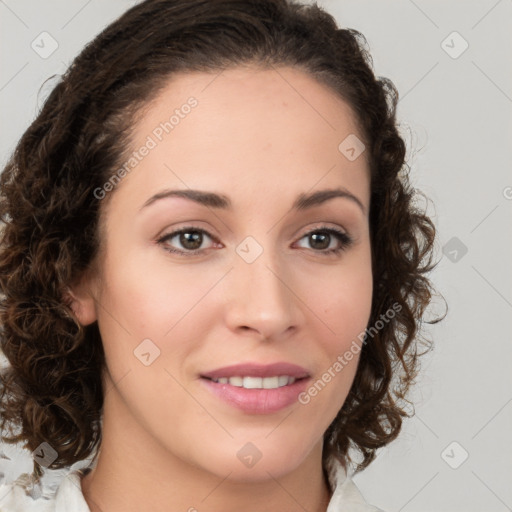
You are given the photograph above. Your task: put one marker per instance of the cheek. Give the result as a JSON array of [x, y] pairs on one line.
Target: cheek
[[152, 297], [345, 302], [347, 308], [146, 300]]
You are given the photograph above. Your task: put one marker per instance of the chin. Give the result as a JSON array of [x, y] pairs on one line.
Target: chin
[[250, 464]]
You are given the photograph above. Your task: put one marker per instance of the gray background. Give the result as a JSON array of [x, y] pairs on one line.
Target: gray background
[[455, 113]]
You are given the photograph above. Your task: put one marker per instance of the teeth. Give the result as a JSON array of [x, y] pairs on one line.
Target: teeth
[[236, 381], [270, 382], [252, 382], [257, 382], [282, 381]]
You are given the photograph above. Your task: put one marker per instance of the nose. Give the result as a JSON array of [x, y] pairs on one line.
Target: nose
[[261, 298]]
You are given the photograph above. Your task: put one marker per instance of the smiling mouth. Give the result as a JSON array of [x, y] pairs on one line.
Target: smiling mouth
[[255, 388], [273, 382]]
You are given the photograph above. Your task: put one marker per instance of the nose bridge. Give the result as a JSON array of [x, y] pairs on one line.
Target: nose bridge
[[261, 298]]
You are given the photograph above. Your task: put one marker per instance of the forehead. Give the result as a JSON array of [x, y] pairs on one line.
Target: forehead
[[263, 101], [274, 128]]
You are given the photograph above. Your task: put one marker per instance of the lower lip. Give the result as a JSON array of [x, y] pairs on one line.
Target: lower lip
[[257, 401]]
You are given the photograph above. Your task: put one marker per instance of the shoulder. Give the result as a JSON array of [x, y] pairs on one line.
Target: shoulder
[[346, 496], [23, 495]]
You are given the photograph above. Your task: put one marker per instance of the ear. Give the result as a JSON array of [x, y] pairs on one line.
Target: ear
[[80, 298]]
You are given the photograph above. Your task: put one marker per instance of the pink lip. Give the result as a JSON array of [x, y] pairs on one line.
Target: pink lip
[[257, 401], [258, 370]]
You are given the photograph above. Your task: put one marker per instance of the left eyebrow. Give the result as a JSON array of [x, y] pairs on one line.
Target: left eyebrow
[[305, 201]]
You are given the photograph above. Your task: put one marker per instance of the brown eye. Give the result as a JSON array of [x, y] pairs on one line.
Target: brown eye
[[191, 240], [328, 241], [185, 241], [320, 240]]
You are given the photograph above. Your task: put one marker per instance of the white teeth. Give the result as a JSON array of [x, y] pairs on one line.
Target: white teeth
[[283, 380], [236, 381], [257, 382], [271, 382], [252, 382]]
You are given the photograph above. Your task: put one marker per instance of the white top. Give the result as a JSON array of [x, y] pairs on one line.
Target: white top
[[24, 496]]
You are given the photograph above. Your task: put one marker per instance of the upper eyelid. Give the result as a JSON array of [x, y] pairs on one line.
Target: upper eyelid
[[177, 231], [318, 226]]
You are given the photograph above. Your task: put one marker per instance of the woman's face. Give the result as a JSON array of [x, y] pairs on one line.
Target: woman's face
[[258, 276]]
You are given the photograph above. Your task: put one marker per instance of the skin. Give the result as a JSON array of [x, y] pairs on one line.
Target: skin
[[262, 138]]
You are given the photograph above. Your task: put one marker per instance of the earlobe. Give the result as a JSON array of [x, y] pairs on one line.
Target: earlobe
[[82, 303]]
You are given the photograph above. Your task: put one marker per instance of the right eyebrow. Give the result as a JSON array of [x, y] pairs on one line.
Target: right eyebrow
[[209, 199]]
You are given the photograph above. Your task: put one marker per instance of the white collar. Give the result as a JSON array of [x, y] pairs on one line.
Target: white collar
[[345, 496]]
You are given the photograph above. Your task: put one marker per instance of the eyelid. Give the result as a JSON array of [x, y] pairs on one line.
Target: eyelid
[[323, 226]]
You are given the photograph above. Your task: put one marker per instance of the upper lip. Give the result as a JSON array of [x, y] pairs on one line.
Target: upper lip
[[258, 370]]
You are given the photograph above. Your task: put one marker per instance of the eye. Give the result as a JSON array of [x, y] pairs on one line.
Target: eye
[[189, 240], [328, 241]]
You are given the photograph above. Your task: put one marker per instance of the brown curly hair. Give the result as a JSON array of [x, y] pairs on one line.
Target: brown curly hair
[[52, 389]]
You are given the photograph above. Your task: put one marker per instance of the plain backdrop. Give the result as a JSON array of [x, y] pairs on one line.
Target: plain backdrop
[[451, 62]]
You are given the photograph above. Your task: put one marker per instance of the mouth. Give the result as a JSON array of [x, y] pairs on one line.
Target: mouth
[[257, 389]]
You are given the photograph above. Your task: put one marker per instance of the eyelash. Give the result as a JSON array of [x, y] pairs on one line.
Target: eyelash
[[344, 239]]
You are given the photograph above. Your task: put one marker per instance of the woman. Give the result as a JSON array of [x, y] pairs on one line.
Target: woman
[[212, 267]]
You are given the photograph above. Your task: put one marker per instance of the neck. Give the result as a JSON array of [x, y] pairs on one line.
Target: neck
[[133, 473]]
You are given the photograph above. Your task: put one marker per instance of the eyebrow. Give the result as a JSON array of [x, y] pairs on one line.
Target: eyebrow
[[220, 201]]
